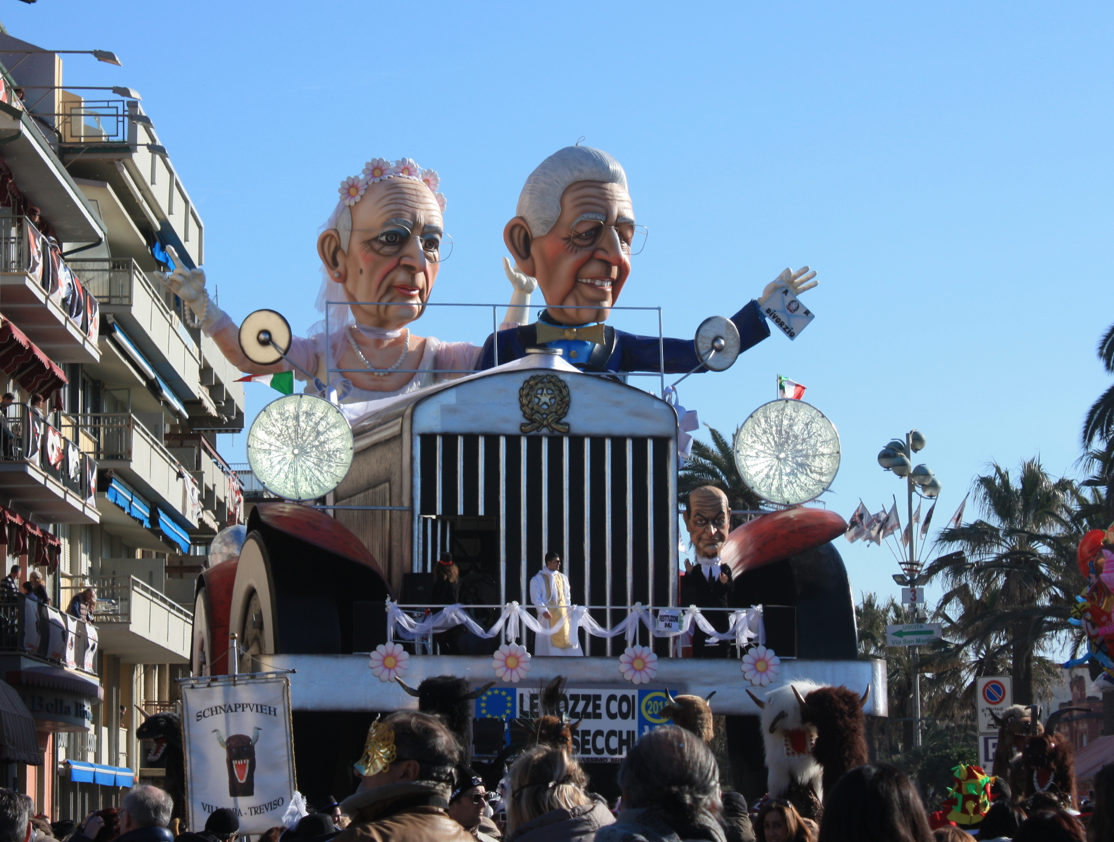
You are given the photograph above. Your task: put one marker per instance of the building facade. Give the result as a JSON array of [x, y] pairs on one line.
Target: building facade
[[115, 482]]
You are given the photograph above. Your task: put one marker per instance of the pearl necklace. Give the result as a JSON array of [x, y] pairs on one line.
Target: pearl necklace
[[372, 369]]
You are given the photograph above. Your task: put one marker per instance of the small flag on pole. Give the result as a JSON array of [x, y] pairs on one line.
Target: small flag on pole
[[957, 518], [857, 527], [787, 388], [281, 382], [893, 522], [911, 527], [928, 519]]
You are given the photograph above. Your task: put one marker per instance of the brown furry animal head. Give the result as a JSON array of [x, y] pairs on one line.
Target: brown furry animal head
[[837, 715], [692, 713], [1015, 726], [1047, 764]]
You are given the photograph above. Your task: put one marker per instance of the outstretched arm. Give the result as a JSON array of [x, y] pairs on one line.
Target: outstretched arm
[[518, 311]]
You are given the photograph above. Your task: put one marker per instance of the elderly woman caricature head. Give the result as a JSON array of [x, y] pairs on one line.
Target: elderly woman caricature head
[[382, 246]]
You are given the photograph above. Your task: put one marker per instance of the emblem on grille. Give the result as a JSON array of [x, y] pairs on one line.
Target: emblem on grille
[[544, 400]]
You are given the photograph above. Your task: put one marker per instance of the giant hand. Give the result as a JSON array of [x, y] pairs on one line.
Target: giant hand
[[796, 282], [524, 286], [189, 285]]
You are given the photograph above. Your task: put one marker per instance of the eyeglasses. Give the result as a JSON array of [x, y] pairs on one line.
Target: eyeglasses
[[395, 239], [589, 233]]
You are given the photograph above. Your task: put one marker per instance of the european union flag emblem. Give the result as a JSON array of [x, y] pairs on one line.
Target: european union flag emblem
[[497, 703]]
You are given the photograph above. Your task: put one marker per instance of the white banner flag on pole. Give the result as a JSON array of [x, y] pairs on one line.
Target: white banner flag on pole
[[239, 750]]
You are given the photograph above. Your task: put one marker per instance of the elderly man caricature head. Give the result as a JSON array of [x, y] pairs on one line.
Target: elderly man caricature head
[[708, 520], [384, 243], [575, 232]]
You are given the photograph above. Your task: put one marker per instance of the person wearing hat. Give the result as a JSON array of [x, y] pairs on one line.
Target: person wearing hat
[[316, 827], [467, 806], [406, 778], [331, 807], [223, 825]]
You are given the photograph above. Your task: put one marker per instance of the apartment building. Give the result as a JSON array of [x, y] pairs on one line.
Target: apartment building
[[116, 482]]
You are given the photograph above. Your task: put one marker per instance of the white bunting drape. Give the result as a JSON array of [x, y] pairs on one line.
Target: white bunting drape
[[745, 624]]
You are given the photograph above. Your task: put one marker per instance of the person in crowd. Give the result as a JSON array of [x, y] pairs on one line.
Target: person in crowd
[[316, 827], [736, 818], [28, 590], [779, 821], [62, 829], [406, 778], [331, 807], [109, 824], [1100, 828], [1050, 826], [9, 585], [273, 834], [42, 828], [467, 805], [36, 580], [550, 595], [222, 824], [670, 786], [1001, 821], [874, 804], [38, 402], [15, 817], [82, 606], [950, 834], [549, 800], [446, 591], [144, 817]]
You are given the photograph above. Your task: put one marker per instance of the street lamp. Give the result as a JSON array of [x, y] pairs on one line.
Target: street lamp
[[100, 55], [895, 457]]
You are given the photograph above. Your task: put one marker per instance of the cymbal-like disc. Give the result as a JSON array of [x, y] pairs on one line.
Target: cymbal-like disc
[[717, 343], [263, 335]]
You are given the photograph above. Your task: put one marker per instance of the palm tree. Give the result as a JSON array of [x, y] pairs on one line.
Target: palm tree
[[714, 464], [1099, 423], [1008, 584]]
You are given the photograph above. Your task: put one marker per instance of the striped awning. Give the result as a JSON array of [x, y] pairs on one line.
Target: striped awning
[[18, 741], [82, 772], [24, 362]]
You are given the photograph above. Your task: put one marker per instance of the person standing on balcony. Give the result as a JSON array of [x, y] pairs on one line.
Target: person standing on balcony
[[35, 579], [549, 591], [83, 604], [9, 586]]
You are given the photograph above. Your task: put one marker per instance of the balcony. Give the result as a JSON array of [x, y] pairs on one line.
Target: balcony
[[46, 471], [122, 444], [218, 484], [42, 295], [38, 631], [151, 318], [137, 623], [252, 487]]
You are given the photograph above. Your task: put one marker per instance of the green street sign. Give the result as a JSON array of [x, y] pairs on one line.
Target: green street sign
[[914, 634]]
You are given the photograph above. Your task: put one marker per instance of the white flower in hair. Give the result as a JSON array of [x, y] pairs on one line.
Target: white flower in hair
[[440, 197], [352, 189], [407, 168], [432, 179], [638, 664], [377, 169]]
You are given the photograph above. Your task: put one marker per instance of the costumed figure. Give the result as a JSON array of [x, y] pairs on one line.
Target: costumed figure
[[446, 591], [550, 594], [575, 233], [452, 699], [691, 713], [708, 582], [1046, 763], [1094, 608], [837, 715], [1015, 726], [969, 797], [383, 244], [793, 772], [165, 729]]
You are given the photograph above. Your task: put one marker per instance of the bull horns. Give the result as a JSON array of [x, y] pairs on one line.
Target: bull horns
[[800, 699], [761, 704], [142, 712], [864, 697], [255, 736], [407, 688], [669, 698], [479, 691], [708, 698], [220, 739]]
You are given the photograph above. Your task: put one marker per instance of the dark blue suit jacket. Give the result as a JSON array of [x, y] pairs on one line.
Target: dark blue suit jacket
[[625, 351]]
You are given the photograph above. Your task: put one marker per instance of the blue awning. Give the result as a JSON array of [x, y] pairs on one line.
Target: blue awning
[[173, 532], [155, 383], [129, 501], [168, 395], [94, 773]]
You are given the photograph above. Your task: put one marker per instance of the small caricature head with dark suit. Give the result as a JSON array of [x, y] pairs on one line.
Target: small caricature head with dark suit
[[708, 520]]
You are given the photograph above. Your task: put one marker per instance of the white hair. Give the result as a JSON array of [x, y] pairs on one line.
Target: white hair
[[539, 203]]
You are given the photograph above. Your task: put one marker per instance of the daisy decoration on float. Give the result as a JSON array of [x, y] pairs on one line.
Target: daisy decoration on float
[[377, 169], [388, 661], [431, 179], [638, 664], [761, 666], [511, 662], [407, 168], [352, 189]]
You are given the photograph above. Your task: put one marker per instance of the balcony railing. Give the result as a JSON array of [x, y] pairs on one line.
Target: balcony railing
[[114, 281], [117, 596], [253, 488], [27, 436], [32, 628]]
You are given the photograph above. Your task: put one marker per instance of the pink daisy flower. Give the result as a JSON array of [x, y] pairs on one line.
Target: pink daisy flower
[[761, 666], [351, 189], [377, 169], [388, 661], [432, 179], [511, 662], [440, 197], [407, 168], [638, 664]]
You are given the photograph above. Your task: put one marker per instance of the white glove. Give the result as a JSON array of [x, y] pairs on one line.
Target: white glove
[[524, 285], [189, 285], [796, 282]]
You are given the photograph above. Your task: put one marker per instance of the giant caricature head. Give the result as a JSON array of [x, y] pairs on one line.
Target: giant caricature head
[[384, 243], [708, 520], [574, 232]]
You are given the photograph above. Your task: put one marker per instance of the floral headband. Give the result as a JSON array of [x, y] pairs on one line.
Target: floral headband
[[377, 169]]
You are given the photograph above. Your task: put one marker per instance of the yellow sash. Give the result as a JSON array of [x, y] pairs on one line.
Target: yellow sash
[[559, 639]]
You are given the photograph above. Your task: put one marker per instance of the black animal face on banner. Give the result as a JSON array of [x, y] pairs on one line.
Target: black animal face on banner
[[240, 760]]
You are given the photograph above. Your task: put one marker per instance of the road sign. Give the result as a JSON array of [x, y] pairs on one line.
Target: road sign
[[912, 596], [987, 746], [914, 634], [993, 694]]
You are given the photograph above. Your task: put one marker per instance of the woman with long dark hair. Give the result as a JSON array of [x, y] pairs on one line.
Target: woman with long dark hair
[[874, 804], [779, 821]]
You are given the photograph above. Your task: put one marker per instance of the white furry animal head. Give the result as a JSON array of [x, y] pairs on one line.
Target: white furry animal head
[[788, 741]]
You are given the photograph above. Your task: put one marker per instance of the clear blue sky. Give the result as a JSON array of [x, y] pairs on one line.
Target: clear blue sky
[[945, 167]]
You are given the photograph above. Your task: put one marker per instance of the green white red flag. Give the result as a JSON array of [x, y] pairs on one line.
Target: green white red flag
[[281, 382], [787, 388]]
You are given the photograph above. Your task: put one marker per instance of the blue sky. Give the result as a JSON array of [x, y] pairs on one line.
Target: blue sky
[[945, 168]]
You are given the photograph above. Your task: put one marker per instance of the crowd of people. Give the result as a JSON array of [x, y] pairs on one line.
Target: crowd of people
[[669, 781]]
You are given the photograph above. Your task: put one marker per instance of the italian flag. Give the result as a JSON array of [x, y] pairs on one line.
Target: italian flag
[[281, 382], [786, 388]]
